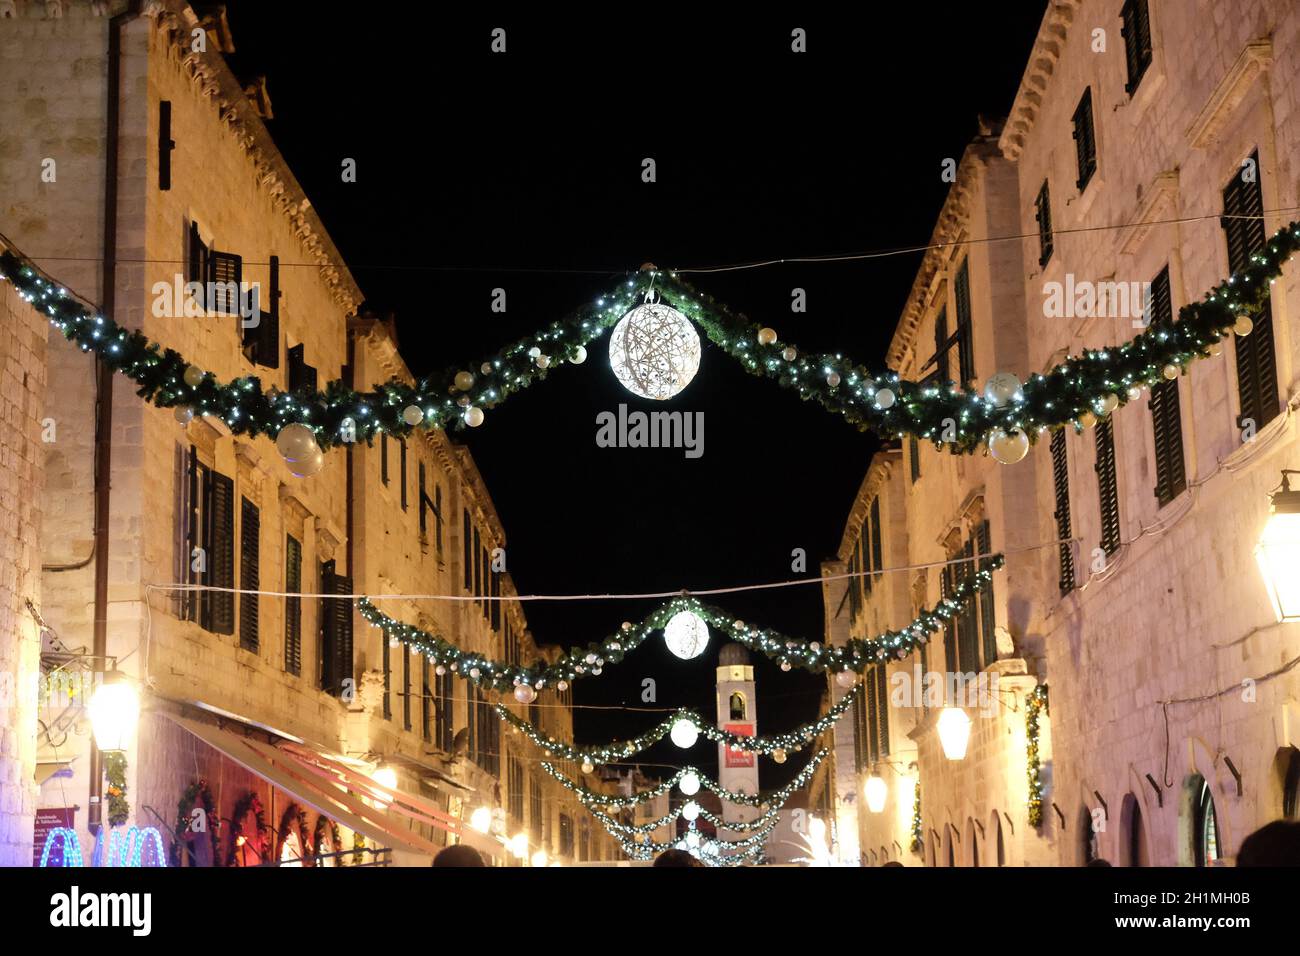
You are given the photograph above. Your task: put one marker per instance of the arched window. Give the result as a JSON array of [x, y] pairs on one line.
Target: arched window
[[1205, 833], [1291, 786], [1088, 837], [1134, 831], [738, 706], [995, 832], [950, 838]]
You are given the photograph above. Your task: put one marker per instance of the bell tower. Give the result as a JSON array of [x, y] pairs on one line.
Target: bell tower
[[737, 713]]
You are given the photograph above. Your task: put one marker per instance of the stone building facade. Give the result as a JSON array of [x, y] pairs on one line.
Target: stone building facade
[[125, 196], [1171, 727]]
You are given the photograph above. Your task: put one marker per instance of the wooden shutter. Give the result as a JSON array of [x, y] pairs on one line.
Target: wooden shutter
[[263, 339], [467, 537], [249, 558], [1061, 485], [988, 610], [1137, 41], [949, 628], [1166, 425], [1107, 490], [302, 377], [877, 561], [424, 525], [882, 710], [873, 731], [292, 605], [401, 470], [864, 559], [486, 562], [1085, 145], [220, 541], [426, 725], [406, 686], [437, 515], [965, 332], [854, 597], [495, 605], [225, 268], [383, 457], [941, 345], [1043, 213], [387, 657], [860, 729], [336, 631], [968, 647], [192, 599], [165, 145], [914, 457], [1256, 353]]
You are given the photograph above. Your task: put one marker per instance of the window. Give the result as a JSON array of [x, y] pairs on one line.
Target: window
[[478, 567], [1291, 785], [383, 457], [292, 605], [336, 632], [876, 561], [401, 469], [914, 457], [302, 377], [987, 608], [426, 711], [1166, 415], [968, 637], [1243, 227], [196, 263], [468, 553], [515, 790], [406, 686], [437, 517], [445, 709], [249, 550], [737, 706], [1107, 492], [566, 835], [1043, 215], [871, 718], [487, 583], [211, 545], [262, 341], [495, 606], [225, 282], [1137, 41], [1061, 484], [386, 653], [535, 809], [1205, 835], [423, 499], [941, 345], [165, 145], [947, 584], [1085, 143], [882, 712], [965, 341], [864, 556]]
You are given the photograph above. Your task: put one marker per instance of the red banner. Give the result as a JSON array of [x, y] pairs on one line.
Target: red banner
[[47, 820], [738, 758]]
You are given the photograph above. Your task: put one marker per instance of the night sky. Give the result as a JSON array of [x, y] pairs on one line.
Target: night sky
[[522, 171]]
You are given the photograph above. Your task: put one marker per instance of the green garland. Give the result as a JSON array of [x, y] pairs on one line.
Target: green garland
[[119, 809], [918, 830], [619, 749], [647, 849], [764, 802], [318, 835], [1073, 392], [628, 829], [249, 801], [196, 792], [855, 655], [1035, 701], [295, 814]]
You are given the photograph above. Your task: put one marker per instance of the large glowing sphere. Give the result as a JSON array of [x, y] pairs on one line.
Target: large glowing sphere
[[684, 733], [686, 635], [654, 351]]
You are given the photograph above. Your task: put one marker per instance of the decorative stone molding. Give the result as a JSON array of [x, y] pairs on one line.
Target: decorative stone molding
[[1222, 105], [1161, 197], [1042, 65]]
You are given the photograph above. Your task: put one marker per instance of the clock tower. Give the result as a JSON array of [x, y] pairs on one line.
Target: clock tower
[[737, 713]]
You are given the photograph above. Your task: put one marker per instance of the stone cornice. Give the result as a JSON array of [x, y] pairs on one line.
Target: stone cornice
[[881, 467], [1038, 75], [212, 80], [1253, 61]]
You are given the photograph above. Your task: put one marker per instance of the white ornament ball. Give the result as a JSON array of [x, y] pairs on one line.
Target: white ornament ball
[[412, 415], [689, 784], [525, 694], [543, 361], [464, 381], [1134, 393], [626, 625], [785, 665], [193, 376], [684, 734], [1244, 325], [1170, 372], [686, 635], [296, 442], [562, 686], [309, 466], [884, 398], [846, 678], [579, 355], [474, 672], [588, 766], [654, 351], [833, 379], [183, 414], [766, 336], [690, 811], [534, 352], [473, 416], [1216, 348], [1001, 388], [440, 670], [789, 353], [1087, 419], [1008, 447], [485, 368], [779, 755], [1109, 403]]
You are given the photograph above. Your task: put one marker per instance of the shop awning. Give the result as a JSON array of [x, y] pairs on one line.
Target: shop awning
[[332, 789]]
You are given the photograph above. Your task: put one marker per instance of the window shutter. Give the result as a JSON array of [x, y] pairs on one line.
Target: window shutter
[[496, 605], [1166, 423], [882, 710], [468, 554], [873, 731], [478, 566], [225, 272], [1043, 213], [220, 605], [387, 655], [1085, 145], [401, 469], [165, 145], [864, 560], [988, 610], [487, 583], [914, 457], [860, 729], [1107, 492], [406, 686], [292, 606], [302, 377], [426, 728], [437, 515], [968, 626], [965, 333], [877, 562], [424, 524], [1137, 41], [949, 628], [249, 556], [335, 630], [1061, 484], [190, 600], [941, 345], [265, 336], [854, 598]]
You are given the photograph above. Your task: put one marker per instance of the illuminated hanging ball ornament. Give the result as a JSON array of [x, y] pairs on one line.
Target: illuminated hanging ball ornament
[[690, 811], [1087, 419], [534, 352], [464, 380], [1109, 404], [1001, 388], [884, 398], [525, 694], [654, 351], [684, 733], [412, 415], [785, 666], [1008, 447], [789, 353], [686, 635], [1134, 393], [779, 755], [183, 414], [543, 361], [833, 379], [562, 686], [579, 355], [473, 416], [1170, 372], [1216, 348], [309, 466], [689, 784], [440, 670], [1244, 325], [193, 376], [846, 678], [766, 336], [295, 442], [588, 766], [485, 368]]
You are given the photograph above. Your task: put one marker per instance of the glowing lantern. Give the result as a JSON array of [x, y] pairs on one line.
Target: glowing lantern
[[1278, 552], [954, 732], [114, 712], [875, 792]]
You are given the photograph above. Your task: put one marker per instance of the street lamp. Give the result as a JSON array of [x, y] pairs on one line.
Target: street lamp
[[518, 845], [114, 712], [954, 732], [481, 819], [876, 792], [1278, 551]]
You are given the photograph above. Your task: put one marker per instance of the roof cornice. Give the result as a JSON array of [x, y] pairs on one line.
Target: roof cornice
[[1038, 74]]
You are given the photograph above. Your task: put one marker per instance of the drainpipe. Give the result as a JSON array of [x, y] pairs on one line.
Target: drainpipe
[[104, 382]]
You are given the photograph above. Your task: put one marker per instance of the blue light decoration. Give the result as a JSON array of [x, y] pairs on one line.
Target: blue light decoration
[[129, 849], [70, 844]]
